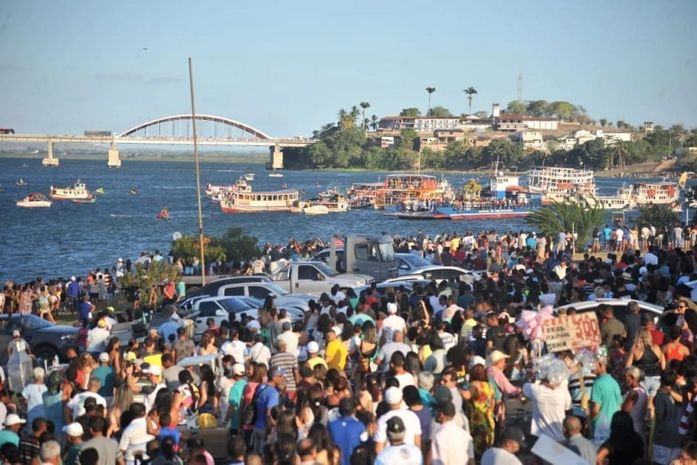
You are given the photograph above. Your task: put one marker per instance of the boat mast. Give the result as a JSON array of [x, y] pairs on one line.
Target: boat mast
[[198, 175]]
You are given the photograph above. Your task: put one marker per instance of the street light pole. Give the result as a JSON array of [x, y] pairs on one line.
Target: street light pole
[[198, 175]]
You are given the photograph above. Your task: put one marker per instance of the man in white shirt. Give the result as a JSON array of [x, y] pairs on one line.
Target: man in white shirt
[[397, 345], [549, 405], [289, 338], [511, 442], [450, 444], [76, 406], [135, 437], [234, 346], [392, 323], [399, 452], [154, 373], [411, 423]]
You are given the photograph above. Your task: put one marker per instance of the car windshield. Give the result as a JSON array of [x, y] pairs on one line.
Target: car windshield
[[415, 261], [276, 289], [325, 269], [233, 305], [253, 301], [386, 252], [34, 322]]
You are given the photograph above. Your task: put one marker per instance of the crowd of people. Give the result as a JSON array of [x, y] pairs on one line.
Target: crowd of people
[[442, 373]]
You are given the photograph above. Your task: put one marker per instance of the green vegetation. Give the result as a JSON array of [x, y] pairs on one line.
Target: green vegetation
[[658, 216], [578, 216], [233, 245], [565, 111], [142, 279]]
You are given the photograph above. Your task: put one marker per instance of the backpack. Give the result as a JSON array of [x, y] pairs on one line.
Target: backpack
[[248, 415]]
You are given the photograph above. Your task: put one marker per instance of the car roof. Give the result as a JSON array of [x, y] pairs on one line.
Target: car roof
[[198, 360], [588, 305]]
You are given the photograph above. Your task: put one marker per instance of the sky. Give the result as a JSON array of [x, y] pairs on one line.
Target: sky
[[287, 67]]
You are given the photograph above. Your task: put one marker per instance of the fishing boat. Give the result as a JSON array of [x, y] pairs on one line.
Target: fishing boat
[[558, 184], [316, 209], [20, 182], [262, 201], [275, 174], [34, 200], [248, 176], [163, 214], [132, 191], [77, 191], [90, 199]]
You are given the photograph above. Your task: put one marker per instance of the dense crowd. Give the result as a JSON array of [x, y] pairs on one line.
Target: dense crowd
[[444, 373]]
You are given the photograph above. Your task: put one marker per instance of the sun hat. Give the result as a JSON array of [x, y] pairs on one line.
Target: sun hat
[[238, 369], [73, 429], [13, 419], [103, 357], [393, 395], [496, 356]]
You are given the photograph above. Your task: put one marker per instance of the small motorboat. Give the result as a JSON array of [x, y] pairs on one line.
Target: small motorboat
[[21, 182], [89, 199], [316, 210], [100, 191], [248, 177], [34, 200], [163, 215], [275, 174], [132, 191]]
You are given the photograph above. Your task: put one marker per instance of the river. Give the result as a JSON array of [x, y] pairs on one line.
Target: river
[[71, 239]]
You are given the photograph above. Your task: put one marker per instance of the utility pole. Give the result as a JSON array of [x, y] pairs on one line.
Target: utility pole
[[520, 87], [198, 175]]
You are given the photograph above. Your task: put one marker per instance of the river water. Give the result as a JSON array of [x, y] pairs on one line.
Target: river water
[[69, 238]]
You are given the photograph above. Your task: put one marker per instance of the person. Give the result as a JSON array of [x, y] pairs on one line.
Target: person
[[512, 440], [450, 444], [236, 449], [89, 457], [105, 374], [610, 326], [51, 453], [480, 410], [635, 400], [235, 397], [346, 431], [135, 436], [288, 363], [267, 397], [29, 444], [313, 356], [335, 352], [107, 448], [549, 405], [97, 337], [73, 433], [389, 348], [410, 421], [624, 445], [606, 399], [13, 423], [33, 395], [154, 374], [184, 347], [75, 407], [170, 372], [392, 323], [167, 454], [575, 440], [647, 356], [398, 452], [667, 414]]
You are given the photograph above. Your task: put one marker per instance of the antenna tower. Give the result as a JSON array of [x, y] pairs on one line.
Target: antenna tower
[[520, 87]]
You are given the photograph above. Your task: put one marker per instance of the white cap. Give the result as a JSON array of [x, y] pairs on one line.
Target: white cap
[[13, 419], [73, 278], [73, 429], [393, 395], [238, 369], [643, 270], [16, 333], [391, 307], [103, 357], [253, 325], [477, 360], [153, 370], [312, 347]]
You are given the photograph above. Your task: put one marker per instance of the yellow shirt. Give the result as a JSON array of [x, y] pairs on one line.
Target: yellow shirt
[[335, 353], [314, 361]]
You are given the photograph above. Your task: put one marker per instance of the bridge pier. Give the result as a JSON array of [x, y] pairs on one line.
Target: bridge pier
[[49, 160], [113, 160], [275, 158]]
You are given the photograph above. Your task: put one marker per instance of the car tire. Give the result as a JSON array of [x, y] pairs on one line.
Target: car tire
[[45, 352]]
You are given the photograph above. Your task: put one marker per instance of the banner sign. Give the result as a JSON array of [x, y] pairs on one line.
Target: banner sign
[[572, 332]]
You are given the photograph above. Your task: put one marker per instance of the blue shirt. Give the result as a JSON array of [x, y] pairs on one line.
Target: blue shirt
[[105, 375], [8, 436], [346, 433], [267, 399], [173, 433], [84, 310]]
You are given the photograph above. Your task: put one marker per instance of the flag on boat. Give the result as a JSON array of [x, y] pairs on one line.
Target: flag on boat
[[682, 180]]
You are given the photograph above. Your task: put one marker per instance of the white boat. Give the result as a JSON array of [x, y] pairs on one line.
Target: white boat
[[248, 177], [558, 184], [78, 191], [316, 210], [20, 183], [275, 174], [659, 193], [34, 200], [264, 201]]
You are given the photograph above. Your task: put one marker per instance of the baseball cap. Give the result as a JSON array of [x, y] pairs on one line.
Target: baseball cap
[[513, 433], [395, 426], [73, 429], [447, 409], [153, 370], [442, 394], [393, 395], [253, 325], [238, 369], [110, 309], [497, 356], [13, 419], [312, 347], [391, 307], [103, 357], [73, 278]]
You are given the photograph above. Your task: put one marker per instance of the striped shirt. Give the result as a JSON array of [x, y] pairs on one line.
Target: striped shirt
[[288, 362]]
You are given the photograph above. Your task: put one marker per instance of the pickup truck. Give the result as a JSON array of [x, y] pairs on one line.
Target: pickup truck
[[315, 277]]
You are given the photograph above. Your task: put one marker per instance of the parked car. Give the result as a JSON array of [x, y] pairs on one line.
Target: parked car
[[619, 306], [212, 287], [262, 290], [45, 339], [439, 273], [220, 309], [408, 263]]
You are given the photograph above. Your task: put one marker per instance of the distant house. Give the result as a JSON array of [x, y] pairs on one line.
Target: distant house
[[418, 123], [514, 122], [582, 136], [385, 141], [531, 140], [649, 127]]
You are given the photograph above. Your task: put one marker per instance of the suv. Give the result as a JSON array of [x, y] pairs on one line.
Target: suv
[[45, 339]]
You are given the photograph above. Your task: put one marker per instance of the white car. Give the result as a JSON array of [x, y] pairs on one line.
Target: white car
[[261, 290], [619, 306], [409, 263], [220, 309], [439, 273]]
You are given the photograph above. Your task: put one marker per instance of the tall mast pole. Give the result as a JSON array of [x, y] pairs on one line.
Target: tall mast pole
[[198, 175]]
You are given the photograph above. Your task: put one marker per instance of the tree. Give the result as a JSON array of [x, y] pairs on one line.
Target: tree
[[538, 108], [440, 112], [430, 90], [470, 91], [188, 247], [374, 122], [238, 245], [563, 110], [516, 106], [411, 111], [408, 138], [658, 216], [578, 216], [364, 106], [603, 122], [142, 279]]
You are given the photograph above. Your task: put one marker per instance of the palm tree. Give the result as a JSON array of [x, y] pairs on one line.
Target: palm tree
[[470, 91], [430, 90], [374, 122], [620, 150], [577, 215], [364, 106]]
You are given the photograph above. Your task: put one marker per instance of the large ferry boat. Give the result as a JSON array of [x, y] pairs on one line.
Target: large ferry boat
[[269, 201], [76, 192], [559, 184], [398, 188], [659, 193], [218, 192]]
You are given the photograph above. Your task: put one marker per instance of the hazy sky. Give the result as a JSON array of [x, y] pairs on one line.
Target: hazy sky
[[286, 67]]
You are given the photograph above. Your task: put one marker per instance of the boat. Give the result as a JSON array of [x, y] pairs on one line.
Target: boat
[[218, 192], [34, 200], [163, 214], [90, 199], [77, 191], [558, 184], [248, 177], [275, 174], [316, 209], [100, 191], [262, 201], [20, 182], [398, 188], [658, 193], [132, 191]]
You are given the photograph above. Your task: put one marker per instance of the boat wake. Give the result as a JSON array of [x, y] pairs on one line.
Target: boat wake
[[116, 215]]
